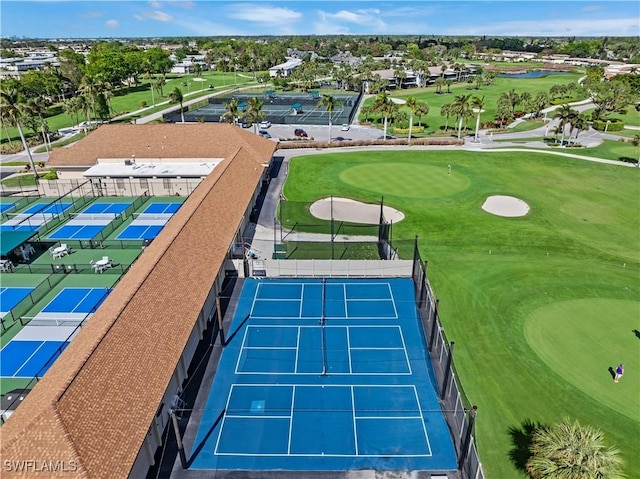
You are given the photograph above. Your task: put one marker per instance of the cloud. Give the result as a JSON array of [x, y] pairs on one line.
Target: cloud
[[112, 24], [155, 4], [174, 3], [342, 21], [91, 15], [263, 14], [155, 15], [560, 27], [592, 8]]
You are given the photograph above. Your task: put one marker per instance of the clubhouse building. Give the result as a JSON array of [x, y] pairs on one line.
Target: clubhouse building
[[102, 407]]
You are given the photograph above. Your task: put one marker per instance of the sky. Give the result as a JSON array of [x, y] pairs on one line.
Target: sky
[[170, 18]]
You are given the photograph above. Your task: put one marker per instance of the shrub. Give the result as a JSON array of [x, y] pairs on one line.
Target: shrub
[[143, 103], [614, 125], [50, 175], [405, 131]]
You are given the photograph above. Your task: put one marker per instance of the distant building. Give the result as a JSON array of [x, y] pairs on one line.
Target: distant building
[[285, 69]]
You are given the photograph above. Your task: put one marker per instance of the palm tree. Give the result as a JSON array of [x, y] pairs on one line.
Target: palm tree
[[175, 96], [422, 108], [446, 110], [568, 450], [366, 110], [580, 123], [479, 78], [565, 114], [412, 104], [329, 102], [477, 103], [159, 84], [12, 110], [233, 109], [254, 112], [462, 109], [386, 107]]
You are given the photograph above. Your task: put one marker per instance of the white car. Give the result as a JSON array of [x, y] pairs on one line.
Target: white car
[[345, 127], [265, 124]]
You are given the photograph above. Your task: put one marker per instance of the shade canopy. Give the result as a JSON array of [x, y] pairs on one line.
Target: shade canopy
[[10, 240]]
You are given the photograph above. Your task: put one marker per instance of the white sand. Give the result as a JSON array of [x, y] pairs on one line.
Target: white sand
[[345, 209], [507, 206]]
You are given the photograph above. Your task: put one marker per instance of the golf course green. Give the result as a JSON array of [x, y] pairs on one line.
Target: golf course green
[[540, 306]]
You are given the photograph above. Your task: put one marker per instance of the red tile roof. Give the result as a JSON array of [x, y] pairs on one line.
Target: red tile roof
[[93, 409]]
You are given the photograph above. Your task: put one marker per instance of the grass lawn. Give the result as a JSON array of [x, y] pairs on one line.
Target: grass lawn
[[539, 306], [26, 179], [526, 126], [610, 150], [491, 93], [631, 117], [311, 250]]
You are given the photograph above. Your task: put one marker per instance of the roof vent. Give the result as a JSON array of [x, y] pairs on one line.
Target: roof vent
[[128, 162]]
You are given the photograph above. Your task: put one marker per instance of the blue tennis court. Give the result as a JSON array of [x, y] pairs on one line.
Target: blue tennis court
[[34, 216], [47, 208], [6, 206], [138, 232], [327, 375], [77, 300], [25, 359], [148, 224], [105, 208], [161, 208], [77, 232], [89, 222], [10, 297]]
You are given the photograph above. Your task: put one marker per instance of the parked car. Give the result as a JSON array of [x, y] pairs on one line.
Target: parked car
[[388, 137], [265, 124], [247, 124], [299, 132], [345, 127], [264, 133]]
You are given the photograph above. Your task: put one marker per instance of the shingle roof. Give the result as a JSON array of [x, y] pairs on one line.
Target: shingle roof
[[161, 140], [95, 405]]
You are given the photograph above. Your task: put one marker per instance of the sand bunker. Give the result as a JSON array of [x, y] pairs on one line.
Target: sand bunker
[[345, 209], [508, 206]]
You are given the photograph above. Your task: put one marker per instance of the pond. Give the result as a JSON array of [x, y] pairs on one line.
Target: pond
[[532, 74]]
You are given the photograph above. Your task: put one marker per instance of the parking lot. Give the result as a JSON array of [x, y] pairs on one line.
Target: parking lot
[[321, 133]]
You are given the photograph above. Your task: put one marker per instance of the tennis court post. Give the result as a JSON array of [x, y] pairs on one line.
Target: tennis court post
[[447, 372], [467, 439], [219, 315]]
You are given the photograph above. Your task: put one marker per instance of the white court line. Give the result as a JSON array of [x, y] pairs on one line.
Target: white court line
[[349, 348], [295, 368], [28, 359], [353, 415], [80, 302], [424, 426], [292, 411], [293, 398]]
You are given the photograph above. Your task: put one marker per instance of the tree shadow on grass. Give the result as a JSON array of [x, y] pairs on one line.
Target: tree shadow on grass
[[521, 439]]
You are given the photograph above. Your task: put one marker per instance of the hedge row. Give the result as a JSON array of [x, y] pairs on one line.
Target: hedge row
[[398, 141], [614, 125]]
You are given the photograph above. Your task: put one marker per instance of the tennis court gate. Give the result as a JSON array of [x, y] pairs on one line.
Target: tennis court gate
[[457, 409]]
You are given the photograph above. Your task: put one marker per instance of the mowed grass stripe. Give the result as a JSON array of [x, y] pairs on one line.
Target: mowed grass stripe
[[579, 241], [581, 339]]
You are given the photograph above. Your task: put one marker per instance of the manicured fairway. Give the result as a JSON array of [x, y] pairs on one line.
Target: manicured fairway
[[539, 306], [583, 341]]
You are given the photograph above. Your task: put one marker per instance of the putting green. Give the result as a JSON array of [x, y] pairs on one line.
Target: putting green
[[581, 339], [408, 180]]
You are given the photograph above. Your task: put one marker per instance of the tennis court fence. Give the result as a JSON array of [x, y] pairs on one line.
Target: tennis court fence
[[332, 238], [458, 411], [29, 301]]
